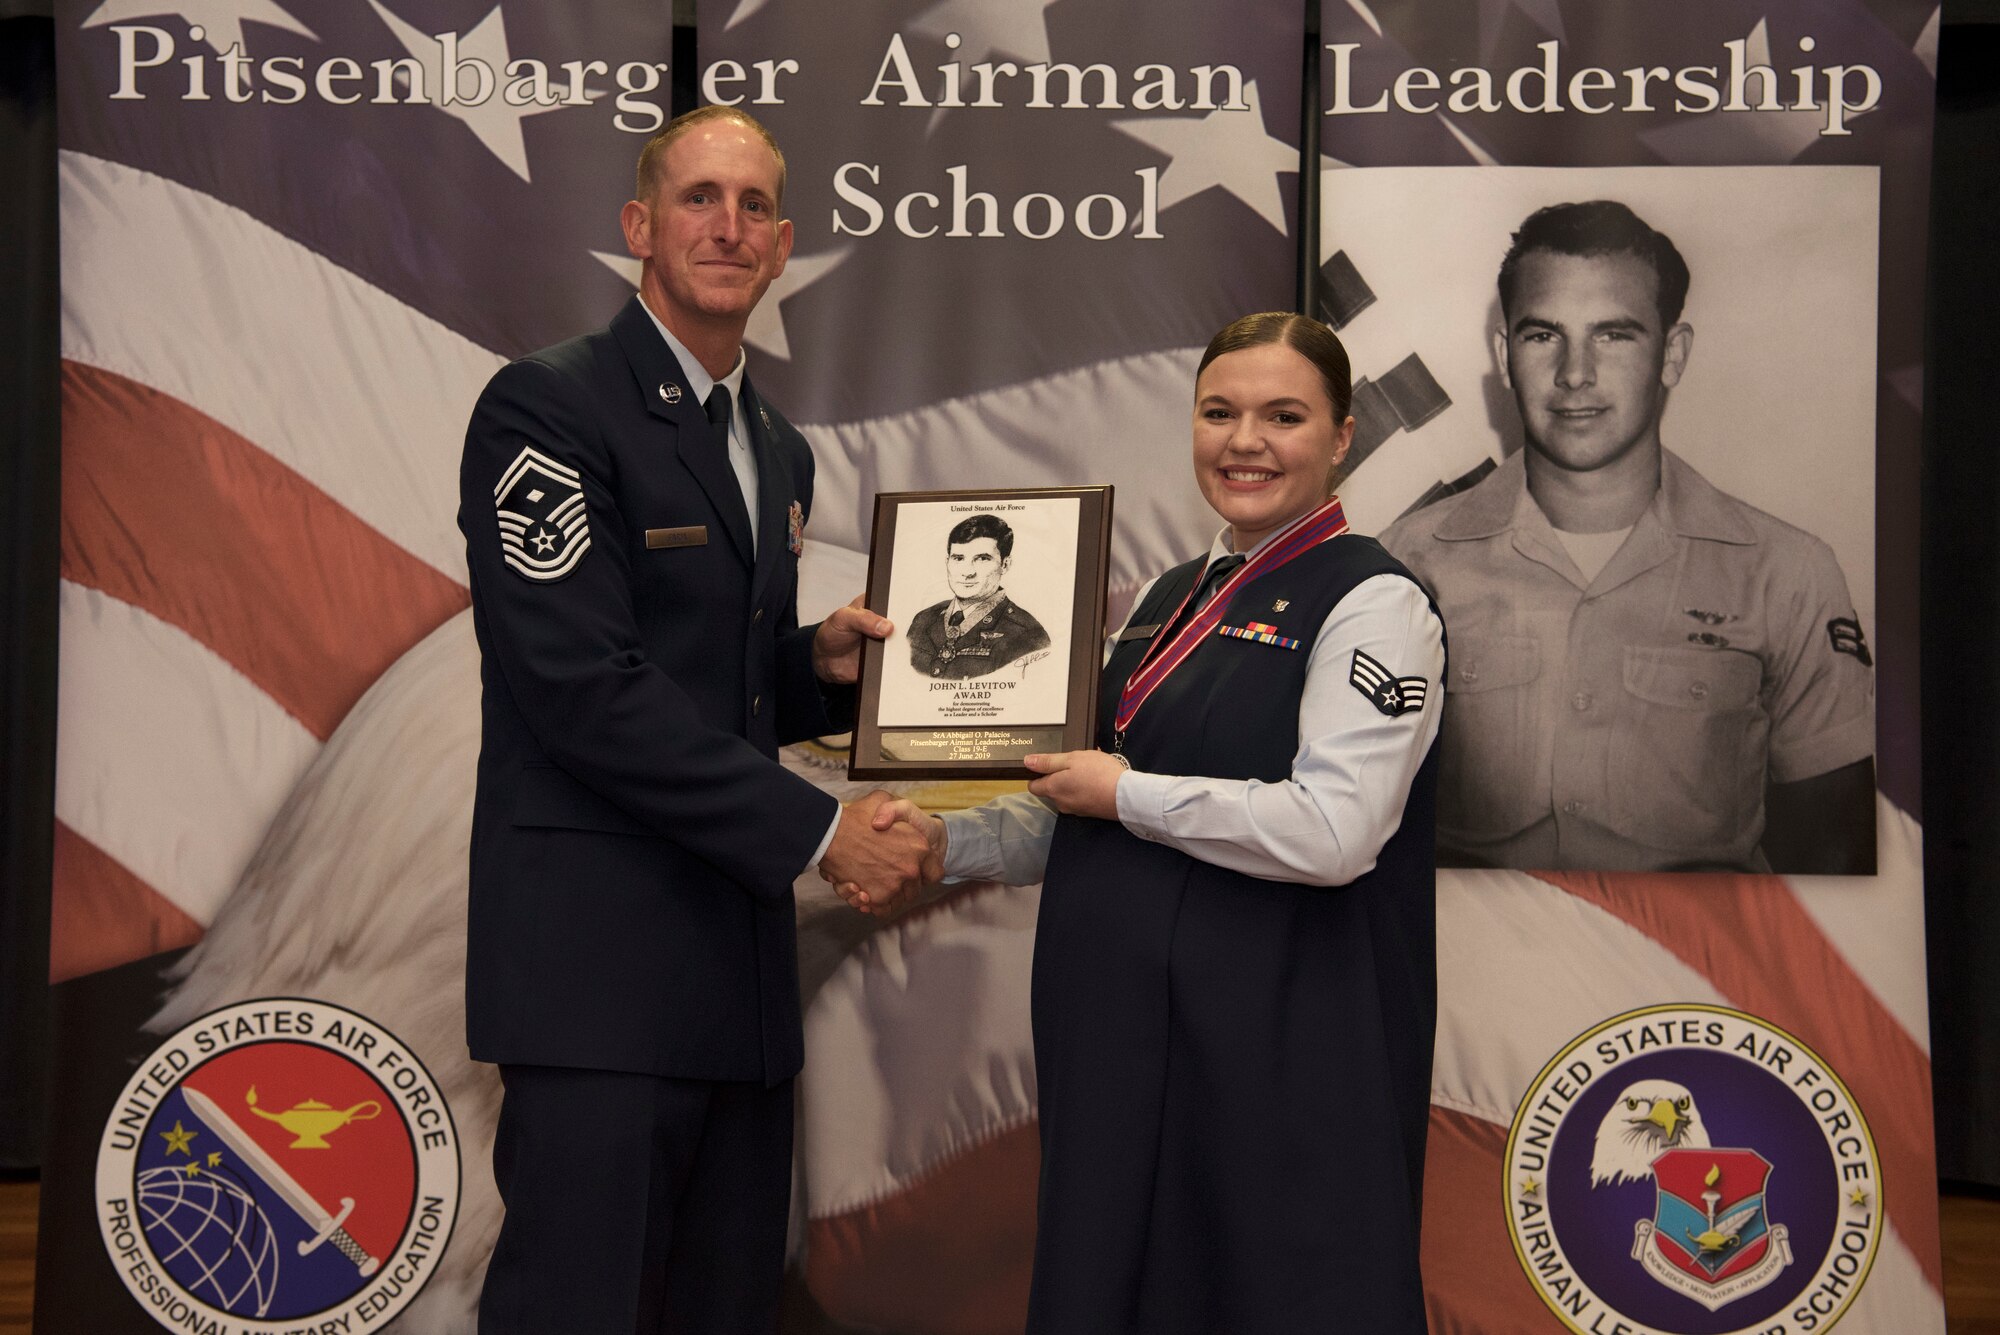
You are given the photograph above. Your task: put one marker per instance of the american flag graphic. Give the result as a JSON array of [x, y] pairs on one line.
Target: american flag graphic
[[297, 240], [275, 319], [278, 310], [926, 360], [1526, 962]]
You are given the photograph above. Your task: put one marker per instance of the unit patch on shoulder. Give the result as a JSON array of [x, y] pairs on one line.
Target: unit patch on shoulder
[[1385, 690], [544, 527], [1845, 632]]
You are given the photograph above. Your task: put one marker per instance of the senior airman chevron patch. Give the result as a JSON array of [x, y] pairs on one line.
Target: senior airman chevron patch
[[1385, 690]]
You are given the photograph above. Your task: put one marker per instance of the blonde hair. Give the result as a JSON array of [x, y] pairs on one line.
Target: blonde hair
[[647, 175]]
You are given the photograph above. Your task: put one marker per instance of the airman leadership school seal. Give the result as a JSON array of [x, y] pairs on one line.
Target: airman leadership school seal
[[1692, 1170], [280, 1165]]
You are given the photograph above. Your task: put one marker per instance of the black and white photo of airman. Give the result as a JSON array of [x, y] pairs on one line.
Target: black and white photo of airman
[[1652, 550]]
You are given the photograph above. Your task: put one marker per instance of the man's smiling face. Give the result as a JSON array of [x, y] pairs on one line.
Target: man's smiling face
[[711, 236], [1587, 357]]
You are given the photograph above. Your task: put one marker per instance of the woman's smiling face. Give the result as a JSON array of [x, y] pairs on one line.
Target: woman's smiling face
[[1265, 439]]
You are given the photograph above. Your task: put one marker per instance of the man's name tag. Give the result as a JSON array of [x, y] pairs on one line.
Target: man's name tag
[[695, 535], [1138, 633]]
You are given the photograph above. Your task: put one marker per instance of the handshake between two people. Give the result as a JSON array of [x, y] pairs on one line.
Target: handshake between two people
[[875, 862], [884, 851]]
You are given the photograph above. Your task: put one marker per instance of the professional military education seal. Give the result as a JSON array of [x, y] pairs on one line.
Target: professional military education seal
[[1692, 1170], [279, 1165]]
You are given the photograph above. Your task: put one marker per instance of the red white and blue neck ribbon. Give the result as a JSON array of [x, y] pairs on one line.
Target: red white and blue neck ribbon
[[1300, 537]]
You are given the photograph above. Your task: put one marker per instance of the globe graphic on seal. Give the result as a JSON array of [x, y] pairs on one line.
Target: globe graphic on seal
[[211, 1235]]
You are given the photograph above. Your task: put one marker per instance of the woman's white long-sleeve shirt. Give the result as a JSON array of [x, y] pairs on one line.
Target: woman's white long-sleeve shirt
[[1325, 824]]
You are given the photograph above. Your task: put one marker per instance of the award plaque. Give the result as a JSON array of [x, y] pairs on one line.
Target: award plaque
[[998, 602]]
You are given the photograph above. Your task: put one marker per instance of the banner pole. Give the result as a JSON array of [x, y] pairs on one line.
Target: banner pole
[[1308, 233]]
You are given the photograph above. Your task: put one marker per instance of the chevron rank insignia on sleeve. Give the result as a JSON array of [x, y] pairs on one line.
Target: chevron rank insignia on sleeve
[[1385, 690], [1845, 632], [544, 529]]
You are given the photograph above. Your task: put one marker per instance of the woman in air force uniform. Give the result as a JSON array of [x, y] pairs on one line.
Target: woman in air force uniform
[[1234, 976]]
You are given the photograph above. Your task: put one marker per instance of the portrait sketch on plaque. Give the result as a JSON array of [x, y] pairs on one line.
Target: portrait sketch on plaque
[[998, 603], [978, 629], [980, 593]]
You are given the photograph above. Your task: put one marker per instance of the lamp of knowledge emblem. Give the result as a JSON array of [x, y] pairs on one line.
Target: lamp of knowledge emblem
[[274, 1162], [1708, 1236], [1692, 1170]]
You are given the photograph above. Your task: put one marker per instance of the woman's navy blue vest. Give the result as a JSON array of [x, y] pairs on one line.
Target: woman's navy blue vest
[[1234, 1073]]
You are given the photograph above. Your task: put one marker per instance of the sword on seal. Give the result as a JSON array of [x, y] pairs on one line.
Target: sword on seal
[[327, 1227]]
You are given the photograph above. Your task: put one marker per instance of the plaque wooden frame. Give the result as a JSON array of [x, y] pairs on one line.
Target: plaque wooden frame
[[972, 750]]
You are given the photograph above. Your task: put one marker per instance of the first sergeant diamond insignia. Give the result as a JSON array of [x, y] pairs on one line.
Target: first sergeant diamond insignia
[[1385, 690], [544, 527]]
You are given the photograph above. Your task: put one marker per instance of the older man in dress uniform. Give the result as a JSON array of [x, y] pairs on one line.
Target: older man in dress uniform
[[633, 512]]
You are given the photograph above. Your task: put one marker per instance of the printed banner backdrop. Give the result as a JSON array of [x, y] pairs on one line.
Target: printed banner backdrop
[[1695, 1102], [296, 242], [1019, 224]]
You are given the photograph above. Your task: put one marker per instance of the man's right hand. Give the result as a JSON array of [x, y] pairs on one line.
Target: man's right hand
[[875, 860]]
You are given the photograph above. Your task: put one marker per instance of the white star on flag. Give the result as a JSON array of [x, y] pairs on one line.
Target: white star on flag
[[221, 21], [1544, 14], [1226, 148], [496, 124], [1926, 45], [1366, 15], [744, 11], [1718, 138], [625, 266], [985, 27], [766, 330], [1473, 148]]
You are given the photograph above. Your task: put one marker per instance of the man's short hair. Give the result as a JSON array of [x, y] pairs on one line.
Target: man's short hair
[[982, 526], [647, 174], [1598, 227]]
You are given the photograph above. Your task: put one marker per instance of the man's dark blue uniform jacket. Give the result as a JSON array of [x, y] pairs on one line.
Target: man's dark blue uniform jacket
[[634, 839]]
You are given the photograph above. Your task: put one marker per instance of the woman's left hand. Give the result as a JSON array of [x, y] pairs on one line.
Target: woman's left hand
[[1078, 783]]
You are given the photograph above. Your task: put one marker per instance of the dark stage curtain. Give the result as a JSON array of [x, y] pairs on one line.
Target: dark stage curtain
[[1961, 581], [28, 507]]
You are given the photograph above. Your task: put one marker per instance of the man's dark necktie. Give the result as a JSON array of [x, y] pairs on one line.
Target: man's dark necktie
[[718, 417], [717, 406]]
